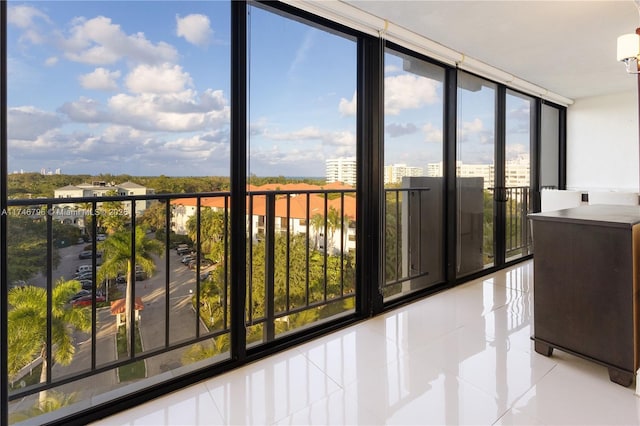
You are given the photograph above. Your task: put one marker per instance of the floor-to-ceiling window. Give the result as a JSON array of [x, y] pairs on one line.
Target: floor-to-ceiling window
[[119, 132], [301, 174], [475, 174], [413, 174], [113, 106]]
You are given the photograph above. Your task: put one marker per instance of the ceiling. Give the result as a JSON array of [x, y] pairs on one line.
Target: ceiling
[[566, 47]]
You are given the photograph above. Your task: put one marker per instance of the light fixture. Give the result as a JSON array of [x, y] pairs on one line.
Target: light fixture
[[629, 52]]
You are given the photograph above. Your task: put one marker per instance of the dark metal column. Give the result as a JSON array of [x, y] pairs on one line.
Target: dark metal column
[[370, 252], [238, 177], [499, 192], [4, 386], [449, 160]]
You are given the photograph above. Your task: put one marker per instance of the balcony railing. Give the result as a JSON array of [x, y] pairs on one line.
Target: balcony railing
[[519, 241], [298, 273]]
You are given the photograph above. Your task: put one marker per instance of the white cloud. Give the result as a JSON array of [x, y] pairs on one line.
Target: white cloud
[[475, 130], [179, 112], [340, 143], [175, 112], [474, 126], [27, 123], [305, 133], [98, 41], [166, 78], [51, 61], [395, 130], [24, 16], [432, 133], [122, 149], [348, 108], [516, 151], [302, 51], [100, 79], [28, 18], [408, 91], [195, 29], [85, 110]]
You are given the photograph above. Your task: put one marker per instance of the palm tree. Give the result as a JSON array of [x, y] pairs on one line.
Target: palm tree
[[28, 327], [317, 224], [112, 215], [117, 258], [212, 229]]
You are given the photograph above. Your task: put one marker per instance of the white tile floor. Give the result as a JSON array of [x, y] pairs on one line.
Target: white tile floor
[[460, 357]]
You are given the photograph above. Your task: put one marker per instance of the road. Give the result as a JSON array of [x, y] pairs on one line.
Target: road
[[182, 321]]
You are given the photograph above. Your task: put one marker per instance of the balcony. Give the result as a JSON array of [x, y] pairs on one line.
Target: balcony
[[181, 314], [300, 274]]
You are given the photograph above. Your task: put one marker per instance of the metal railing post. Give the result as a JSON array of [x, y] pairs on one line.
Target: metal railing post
[[269, 268]]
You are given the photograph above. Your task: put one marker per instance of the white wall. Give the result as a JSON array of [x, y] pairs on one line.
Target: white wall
[[602, 143]]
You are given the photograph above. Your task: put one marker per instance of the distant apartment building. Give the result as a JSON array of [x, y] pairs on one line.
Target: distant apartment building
[[395, 172], [484, 171], [98, 189], [341, 170], [517, 171], [294, 212]]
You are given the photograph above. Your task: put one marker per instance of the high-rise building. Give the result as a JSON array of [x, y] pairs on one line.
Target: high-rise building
[[517, 171], [341, 170], [395, 172]]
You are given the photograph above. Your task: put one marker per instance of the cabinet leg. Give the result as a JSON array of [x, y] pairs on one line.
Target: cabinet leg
[[620, 377], [543, 348]]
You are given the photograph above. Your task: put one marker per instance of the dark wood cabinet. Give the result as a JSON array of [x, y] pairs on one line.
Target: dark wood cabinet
[[586, 266]]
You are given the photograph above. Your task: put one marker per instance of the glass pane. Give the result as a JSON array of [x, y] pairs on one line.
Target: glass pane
[[475, 166], [115, 111], [301, 174], [413, 174], [518, 146]]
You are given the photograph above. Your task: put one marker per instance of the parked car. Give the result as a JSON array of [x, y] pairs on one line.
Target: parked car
[[84, 268], [78, 295], [87, 300], [188, 258], [101, 237], [204, 263], [184, 250], [84, 276], [86, 284], [88, 254], [18, 283], [140, 274], [85, 254]]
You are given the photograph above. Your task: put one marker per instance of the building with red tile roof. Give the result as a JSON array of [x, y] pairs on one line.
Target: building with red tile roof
[[294, 211]]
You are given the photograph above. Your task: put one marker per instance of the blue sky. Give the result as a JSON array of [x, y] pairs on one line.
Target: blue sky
[[142, 88]]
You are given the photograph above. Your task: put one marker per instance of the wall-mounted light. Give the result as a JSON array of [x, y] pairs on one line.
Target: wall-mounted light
[[629, 52]]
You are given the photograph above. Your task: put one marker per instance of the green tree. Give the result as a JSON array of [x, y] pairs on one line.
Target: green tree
[[112, 217], [212, 230], [317, 224], [27, 323], [117, 257], [27, 248], [154, 216]]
